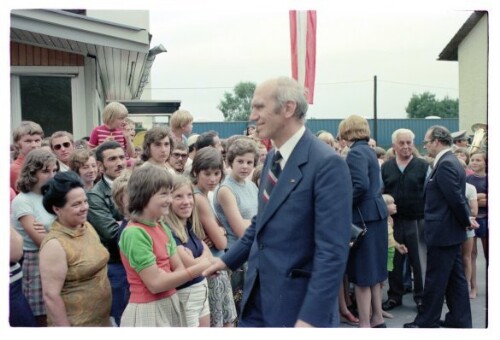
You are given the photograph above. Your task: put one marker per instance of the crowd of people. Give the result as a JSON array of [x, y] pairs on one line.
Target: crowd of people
[[191, 230]]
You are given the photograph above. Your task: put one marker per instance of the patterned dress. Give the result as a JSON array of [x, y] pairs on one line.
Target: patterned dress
[[220, 293], [86, 291]]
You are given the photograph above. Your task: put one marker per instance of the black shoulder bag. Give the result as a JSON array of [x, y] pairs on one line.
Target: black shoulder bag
[[357, 232]]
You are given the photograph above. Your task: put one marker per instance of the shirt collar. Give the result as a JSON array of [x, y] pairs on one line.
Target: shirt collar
[[62, 166], [439, 155], [108, 180], [73, 232], [148, 223], [287, 148]]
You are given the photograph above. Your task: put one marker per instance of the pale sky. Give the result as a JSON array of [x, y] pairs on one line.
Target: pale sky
[[210, 50]]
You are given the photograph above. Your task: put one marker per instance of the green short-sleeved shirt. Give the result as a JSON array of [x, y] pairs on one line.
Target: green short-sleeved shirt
[[137, 245]]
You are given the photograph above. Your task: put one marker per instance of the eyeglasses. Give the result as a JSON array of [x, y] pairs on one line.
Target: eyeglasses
[[59, 146], [425, 142], [180, 155]]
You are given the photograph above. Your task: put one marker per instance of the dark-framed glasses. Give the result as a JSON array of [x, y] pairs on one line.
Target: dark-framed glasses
[[59, 146], [180, 155]]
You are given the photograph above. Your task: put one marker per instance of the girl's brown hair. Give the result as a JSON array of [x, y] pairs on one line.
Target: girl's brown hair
[[143, 184], [207, 158], [36, 159]]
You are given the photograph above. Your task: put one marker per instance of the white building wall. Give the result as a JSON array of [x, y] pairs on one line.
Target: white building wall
[[473, 76]]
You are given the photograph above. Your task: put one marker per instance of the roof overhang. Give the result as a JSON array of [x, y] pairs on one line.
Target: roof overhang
[[450, 52], [122, 52], [153, 107]]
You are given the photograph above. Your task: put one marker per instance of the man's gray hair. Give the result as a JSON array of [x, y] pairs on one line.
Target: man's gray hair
[[288, 89], [399, 132]]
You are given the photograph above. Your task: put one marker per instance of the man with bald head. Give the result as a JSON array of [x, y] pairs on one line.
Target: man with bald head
[[297, 244]]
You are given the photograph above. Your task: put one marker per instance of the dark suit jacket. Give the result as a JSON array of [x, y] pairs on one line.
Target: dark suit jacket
[[446, 212], [104, 217], [297, 245]]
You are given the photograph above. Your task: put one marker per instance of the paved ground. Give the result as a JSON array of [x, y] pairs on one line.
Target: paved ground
[[407, 312]]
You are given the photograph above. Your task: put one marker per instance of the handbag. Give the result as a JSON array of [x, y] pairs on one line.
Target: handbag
[[357, 232]]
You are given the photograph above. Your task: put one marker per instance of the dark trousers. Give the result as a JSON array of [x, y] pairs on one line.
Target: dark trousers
[[445, 277], [411, 234], [120, 292], [20, 314], [252, 316]]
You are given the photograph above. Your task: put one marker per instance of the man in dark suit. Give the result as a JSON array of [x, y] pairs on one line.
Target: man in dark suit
[[446, 216], [297, 244], [105, 218]]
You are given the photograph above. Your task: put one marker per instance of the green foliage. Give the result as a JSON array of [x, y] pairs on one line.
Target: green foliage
[[425, 104], [236, 106]]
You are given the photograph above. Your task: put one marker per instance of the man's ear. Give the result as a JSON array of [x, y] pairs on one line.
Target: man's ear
[[290, 107]]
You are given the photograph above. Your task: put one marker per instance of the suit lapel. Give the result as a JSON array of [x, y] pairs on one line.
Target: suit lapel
[[290, 177], [434, 169]]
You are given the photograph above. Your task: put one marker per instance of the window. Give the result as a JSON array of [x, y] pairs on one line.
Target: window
[[47, 101]]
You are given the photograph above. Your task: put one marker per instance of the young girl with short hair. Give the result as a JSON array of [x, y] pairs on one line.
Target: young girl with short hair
[[149, 254]]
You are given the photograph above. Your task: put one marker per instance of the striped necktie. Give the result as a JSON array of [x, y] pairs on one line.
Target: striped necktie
[[272, 176]]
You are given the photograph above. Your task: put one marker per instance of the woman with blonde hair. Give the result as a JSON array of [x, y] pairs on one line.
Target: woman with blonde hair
[[188, 234], [119, 195], [328, 138], [367, 264]]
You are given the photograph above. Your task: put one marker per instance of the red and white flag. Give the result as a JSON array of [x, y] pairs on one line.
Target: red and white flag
[[303, 43]]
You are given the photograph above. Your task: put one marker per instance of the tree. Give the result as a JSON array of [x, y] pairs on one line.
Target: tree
[[448, 108], [236, 107], [425, 104]]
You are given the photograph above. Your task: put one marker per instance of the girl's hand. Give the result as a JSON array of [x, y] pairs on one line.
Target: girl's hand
[[188, 251], [401, 248], [39, 227], [208, 241]]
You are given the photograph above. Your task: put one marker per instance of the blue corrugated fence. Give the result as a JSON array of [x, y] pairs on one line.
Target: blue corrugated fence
[[385, 127]]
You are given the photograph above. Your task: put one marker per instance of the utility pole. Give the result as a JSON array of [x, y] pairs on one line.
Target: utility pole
[[374, 108]]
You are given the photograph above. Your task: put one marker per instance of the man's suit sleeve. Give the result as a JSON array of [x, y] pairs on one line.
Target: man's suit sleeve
[[448, 182], [238, 253], [333, 201]]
